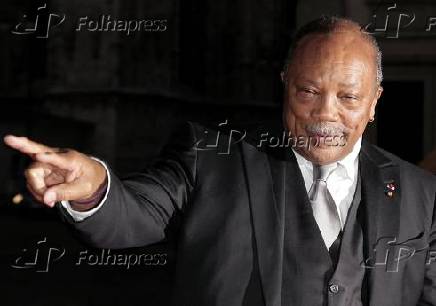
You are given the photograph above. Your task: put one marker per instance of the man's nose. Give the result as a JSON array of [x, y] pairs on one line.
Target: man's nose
[[326, 108]]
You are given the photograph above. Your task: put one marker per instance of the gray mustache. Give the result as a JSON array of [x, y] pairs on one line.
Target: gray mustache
[[326, 129]]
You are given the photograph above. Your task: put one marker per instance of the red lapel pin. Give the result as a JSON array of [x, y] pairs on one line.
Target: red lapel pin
[[389, 189]]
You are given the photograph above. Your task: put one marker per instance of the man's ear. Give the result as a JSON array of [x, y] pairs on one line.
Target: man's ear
[[379, 92], [375, 100]]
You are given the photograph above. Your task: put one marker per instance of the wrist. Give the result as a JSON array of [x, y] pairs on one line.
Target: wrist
[[93, 200]]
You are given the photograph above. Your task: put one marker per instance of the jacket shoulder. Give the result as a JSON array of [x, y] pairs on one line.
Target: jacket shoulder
[[408, 169]]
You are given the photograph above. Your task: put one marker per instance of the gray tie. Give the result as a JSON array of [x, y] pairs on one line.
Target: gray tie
[[323, 206]]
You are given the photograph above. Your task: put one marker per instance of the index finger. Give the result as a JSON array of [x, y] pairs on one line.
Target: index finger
[[25, 145]]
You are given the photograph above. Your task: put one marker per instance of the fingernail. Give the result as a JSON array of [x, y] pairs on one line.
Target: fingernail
[[7, 138], [50, 197]]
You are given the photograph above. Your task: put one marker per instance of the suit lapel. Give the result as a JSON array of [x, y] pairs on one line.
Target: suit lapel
[[380, 219], [266, 174], [267, 220]]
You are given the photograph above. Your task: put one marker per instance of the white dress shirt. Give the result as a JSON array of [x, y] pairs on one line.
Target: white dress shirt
[[341, 183]]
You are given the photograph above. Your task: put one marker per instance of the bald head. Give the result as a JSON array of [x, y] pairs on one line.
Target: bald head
[[330, 26]]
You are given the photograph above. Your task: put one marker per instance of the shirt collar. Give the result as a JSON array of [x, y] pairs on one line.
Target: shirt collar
[[349, 162]]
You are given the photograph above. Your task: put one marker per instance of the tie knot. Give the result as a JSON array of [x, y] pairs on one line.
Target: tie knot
[[323, 172]]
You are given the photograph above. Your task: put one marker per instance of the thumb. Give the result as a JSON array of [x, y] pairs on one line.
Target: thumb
[[65, 192]]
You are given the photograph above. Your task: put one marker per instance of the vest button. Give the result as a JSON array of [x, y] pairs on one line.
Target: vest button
[[333, 288]]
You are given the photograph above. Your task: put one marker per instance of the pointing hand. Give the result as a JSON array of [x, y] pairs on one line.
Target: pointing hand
[[58, 174]]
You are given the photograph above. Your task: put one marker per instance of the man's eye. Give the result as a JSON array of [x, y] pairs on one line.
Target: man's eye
[[349, 97], [308, 91]]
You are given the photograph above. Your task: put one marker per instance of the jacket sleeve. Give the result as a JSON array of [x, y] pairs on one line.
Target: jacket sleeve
[[138, 209], [428, 297]]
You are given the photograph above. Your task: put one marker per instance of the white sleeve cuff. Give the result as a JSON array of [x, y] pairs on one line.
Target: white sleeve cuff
[[82, 215]]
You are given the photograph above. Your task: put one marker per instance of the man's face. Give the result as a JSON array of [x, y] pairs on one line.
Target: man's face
[[330, 93]]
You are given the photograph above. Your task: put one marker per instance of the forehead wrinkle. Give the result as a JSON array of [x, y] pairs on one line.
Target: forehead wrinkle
[[335, 55], [352, 72], [332, 44], [339, 72]]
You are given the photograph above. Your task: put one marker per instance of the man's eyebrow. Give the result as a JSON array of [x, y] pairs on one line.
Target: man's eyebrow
[[307, 80]]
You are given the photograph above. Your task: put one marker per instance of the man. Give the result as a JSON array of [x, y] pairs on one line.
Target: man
[[338, 223]]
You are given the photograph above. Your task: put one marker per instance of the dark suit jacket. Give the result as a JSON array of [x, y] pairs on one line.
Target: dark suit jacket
[[227, 212]]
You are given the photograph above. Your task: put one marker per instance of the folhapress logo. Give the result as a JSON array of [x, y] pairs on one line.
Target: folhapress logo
[[389, 21], [39, 257], [107, 23], [42, 24], [44, 21]]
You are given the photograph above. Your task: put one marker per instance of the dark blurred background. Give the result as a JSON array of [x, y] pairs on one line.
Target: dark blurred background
[[119, 96]]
